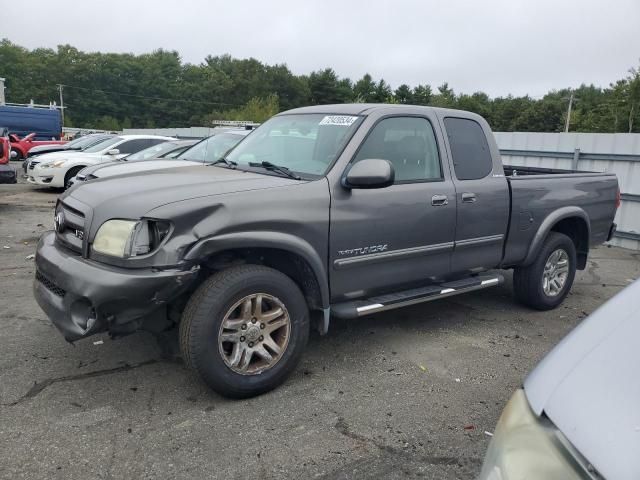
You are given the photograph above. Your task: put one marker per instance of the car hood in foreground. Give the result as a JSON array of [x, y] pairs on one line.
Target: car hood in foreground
[[589, 387], [122, 167]]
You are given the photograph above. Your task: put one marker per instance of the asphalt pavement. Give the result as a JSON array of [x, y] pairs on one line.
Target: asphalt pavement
[[411, 393]]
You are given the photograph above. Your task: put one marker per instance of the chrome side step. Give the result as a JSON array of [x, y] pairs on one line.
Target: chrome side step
[[359, 308]]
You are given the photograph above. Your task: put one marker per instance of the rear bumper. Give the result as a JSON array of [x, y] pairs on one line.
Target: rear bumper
[[612, 231], [7, 174], [82, 297]]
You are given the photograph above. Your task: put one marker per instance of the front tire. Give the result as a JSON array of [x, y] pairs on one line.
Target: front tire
[[70, 174], [244, 329], [545, 283]]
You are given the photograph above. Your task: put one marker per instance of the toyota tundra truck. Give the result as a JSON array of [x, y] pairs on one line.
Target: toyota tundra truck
[[326, 211]]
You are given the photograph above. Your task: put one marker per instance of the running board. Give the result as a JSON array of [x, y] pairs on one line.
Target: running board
[[359, 308]]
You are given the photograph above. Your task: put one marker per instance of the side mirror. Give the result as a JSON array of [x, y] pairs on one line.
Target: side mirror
[[370, 173], [113, 151]]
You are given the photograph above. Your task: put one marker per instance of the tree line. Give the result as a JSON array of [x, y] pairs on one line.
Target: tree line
[[120, 90]]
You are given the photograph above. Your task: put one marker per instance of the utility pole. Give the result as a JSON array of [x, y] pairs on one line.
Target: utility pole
[[61, 102], [566, 124]]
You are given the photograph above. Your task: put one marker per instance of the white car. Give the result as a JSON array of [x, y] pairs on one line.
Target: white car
[[56, 169]]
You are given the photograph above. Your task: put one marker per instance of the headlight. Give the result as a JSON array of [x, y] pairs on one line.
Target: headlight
[[525, 446], [56, 164], [128, 238]]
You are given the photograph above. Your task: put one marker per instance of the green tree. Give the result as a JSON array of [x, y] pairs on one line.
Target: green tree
[[633, 89], [382, 92], [422, 95], [107, 122], [159, 89], [404, 94], [256, 110], [365, 89], [325, 88]]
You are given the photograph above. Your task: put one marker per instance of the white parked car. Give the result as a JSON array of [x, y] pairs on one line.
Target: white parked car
[[56, 169], [207, 150]]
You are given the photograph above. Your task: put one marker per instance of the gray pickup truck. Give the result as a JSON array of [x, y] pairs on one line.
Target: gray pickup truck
[[336, 210]]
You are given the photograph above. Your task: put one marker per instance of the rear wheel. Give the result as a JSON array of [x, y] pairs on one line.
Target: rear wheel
[[70, 174], [545, 283], [244, 330]]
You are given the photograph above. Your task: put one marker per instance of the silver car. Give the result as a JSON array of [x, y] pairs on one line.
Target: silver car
[[578, 415], [207, 150]]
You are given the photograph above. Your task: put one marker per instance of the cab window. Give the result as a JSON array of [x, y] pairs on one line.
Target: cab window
[[409, 143]]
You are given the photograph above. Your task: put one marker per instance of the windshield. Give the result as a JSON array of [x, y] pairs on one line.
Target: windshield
[[307, 143], [98, 147], [151, 152], [78, 142], [175, 152], [212, 148]]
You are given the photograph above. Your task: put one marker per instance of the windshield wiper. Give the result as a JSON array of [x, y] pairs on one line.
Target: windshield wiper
[[275, 168], [228, 163]]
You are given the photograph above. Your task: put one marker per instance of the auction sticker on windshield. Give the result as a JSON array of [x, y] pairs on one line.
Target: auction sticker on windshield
[[343, 120]]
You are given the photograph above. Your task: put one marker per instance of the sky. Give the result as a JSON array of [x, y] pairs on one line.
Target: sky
[[499, 47]]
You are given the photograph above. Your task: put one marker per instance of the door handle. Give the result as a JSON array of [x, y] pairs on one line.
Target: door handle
[[469, 197], [439, 200]]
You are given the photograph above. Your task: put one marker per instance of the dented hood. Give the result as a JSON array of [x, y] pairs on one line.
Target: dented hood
[[588, 386], [133, 195]]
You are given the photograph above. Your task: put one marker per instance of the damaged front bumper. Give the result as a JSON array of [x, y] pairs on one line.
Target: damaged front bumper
[[83, 297]]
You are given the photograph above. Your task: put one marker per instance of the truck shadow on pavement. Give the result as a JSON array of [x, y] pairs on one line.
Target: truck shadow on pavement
[[420, 320]]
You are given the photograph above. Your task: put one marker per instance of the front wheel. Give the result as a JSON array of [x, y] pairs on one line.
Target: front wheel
[[70, 175], [244, 330], [545, 283]]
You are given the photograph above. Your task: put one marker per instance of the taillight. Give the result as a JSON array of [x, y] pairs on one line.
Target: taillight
[[618, 199]]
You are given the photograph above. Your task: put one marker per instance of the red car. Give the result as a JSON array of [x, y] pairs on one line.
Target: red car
[[5, 147], [22, 146], [7, 173]]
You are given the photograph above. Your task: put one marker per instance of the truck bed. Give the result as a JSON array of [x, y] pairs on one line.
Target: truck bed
[[537, 193]]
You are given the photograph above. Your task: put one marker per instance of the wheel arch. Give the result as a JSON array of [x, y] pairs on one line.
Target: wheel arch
[[289, 254], [571, 221], [18, 148], [75, 168]]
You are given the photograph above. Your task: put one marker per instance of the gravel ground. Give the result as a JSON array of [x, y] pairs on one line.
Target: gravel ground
[[404, 394]]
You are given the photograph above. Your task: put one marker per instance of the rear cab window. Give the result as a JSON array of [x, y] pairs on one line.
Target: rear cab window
[[469, 148]]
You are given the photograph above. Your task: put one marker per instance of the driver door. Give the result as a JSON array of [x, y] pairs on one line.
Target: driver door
[[385, 239]]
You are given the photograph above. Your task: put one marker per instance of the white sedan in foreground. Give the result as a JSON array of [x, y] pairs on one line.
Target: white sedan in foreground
[[56, 169]]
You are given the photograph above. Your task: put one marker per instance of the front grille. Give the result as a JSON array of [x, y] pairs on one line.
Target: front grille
[[52, 287], [71, 232], [32, 164]]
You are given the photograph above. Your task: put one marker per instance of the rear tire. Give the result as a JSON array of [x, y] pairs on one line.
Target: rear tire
[[226, 306], [545, 283]]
